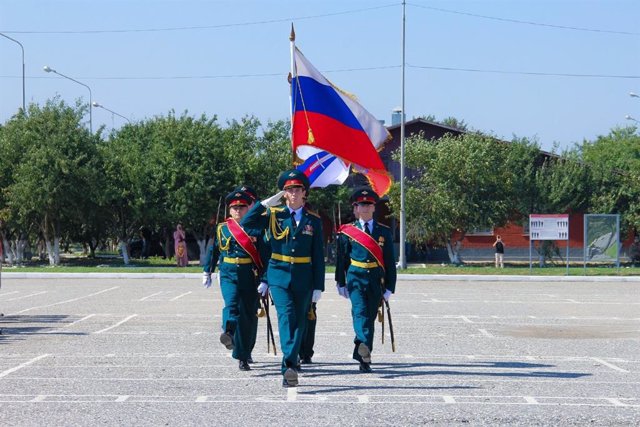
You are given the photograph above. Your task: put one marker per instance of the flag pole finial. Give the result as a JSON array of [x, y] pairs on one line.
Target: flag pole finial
[[292, 36]]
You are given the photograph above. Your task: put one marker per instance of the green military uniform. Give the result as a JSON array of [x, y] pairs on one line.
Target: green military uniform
[[364, 278], [295, 269], [238, 276]]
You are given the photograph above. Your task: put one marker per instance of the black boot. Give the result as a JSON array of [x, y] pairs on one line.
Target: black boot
[[243, 365], [365, 367]]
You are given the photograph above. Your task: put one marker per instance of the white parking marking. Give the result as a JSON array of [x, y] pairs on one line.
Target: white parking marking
[[117, 324], [122, 398], [22, 365], [466, 319], [615, 402], [65, 301], [485, 333], [181, 295], [149, 296], [448, 399], [609, 365], [53, 331], [26, 296], [530, 400], [292, 394], [363, 399], [8, 293], [39, 398]]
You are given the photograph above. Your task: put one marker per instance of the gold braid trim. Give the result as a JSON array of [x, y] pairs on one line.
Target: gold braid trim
[[227, 243], [277, 232]]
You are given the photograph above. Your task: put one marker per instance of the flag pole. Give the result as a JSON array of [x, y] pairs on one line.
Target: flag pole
[[402, 258], [292, 74]]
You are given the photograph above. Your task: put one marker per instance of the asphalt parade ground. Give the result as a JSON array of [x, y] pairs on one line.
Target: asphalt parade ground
[[78, 350]]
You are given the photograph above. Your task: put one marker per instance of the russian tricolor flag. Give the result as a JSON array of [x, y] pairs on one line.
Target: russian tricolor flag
[[325, 119]]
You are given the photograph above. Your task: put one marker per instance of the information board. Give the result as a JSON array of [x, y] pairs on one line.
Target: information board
[[549, 227]]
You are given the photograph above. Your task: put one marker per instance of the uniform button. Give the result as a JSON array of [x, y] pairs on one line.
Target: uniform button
[[294, 237], [293, 250]]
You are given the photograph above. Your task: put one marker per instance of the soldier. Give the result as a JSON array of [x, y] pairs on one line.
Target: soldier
[[295, 274], [240, 255], [365, 270]]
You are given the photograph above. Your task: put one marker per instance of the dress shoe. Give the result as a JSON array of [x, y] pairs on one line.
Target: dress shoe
[[250, 359], [365, 367], [243, 365], [227, 340], [290, 378], [364, 352], [306, 360]]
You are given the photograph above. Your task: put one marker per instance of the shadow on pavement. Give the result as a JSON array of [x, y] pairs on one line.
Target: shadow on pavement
[[16, 327]]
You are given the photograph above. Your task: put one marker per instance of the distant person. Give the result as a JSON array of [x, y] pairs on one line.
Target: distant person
[[499, 251], [180, 246]]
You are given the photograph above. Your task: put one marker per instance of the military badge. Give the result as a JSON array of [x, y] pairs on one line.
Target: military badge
[[308, 230], [381, 241]]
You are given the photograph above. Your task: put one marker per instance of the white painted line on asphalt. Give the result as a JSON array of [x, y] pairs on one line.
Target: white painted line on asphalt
[[466, 319], [343, 334], [66, 301], [181, 295], [609, 365], [363, 399], [530, 400], [448, 399], [53, 331], [201, 399], [122, 398], [485, 333], [39, 398], [292, 394], [26, 296], [615, 402], [8, 293], [22, 365], [126, 319], [152, 295]]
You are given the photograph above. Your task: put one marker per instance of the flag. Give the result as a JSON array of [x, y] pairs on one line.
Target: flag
[[324, 169], [325, 118]]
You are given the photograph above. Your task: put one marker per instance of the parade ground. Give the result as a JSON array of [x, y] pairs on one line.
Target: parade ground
[[126, 351]]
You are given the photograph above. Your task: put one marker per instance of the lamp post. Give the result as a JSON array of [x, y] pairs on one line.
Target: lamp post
[[24, 104], [51, 70], [634, 95], [628, 117], [95, 104]]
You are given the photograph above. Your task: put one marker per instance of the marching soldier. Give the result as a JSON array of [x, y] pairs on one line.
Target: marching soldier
[[365, 270], [239, 255], [295, 274]]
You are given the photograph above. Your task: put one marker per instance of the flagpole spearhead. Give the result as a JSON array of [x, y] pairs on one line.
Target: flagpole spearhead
[[292, 36]]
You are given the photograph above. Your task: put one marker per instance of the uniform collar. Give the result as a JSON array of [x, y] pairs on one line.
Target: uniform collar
[[370, 222], [298, 213]]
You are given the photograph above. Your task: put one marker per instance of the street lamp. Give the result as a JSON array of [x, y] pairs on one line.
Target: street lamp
[[95, 104], [634, 95], [24, 106], [51, 70], [628, 117]]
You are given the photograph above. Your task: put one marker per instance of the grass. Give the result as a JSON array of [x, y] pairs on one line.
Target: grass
[[113, 264]]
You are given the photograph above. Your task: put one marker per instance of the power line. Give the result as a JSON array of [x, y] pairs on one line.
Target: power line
[[207, 27], [348, 70], [517, 21]]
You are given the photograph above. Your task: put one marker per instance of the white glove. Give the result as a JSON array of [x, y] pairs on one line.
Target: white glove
[[317, 294], [386, 295], [263, 288], [273, 200], [206, 279], [342, 291]]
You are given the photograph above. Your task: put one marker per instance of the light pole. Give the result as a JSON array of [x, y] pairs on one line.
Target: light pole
[[51, 70], [24, 104], [95, 104], [628, 117], [634, 95]]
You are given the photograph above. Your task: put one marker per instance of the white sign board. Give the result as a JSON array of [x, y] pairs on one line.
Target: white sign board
[[549, 227]]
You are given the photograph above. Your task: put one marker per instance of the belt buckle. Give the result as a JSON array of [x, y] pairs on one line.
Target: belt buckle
[[237, 260]]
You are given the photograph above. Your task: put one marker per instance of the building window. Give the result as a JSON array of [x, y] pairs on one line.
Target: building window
[[488, 231]]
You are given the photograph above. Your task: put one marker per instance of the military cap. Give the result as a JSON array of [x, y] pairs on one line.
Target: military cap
[[293, 178], [238, 198], [249, 190], [364, 195]]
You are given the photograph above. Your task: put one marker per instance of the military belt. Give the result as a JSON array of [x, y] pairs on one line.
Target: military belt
[[364, 264], [230, 260], [292, 259]]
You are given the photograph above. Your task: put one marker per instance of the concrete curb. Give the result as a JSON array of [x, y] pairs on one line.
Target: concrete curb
[[330, 277]]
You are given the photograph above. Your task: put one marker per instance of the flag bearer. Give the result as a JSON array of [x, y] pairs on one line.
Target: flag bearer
[[365, 270]]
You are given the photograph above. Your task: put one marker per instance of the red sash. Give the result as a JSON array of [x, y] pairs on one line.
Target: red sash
[[365, 240], [245, 242]]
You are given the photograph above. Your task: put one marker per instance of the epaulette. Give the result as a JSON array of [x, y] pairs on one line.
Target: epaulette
[[313, 213], [382, 225]]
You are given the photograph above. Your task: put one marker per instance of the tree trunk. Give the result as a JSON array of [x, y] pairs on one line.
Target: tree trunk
[[53, 251], [8, 251], [20, 247], [453, 249], [124, 247]]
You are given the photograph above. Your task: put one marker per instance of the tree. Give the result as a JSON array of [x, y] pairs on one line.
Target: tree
[[463, 183]]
